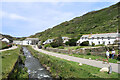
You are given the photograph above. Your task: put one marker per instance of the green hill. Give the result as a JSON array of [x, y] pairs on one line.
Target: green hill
[[101, 21]]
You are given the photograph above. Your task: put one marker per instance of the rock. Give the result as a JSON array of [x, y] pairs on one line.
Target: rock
[[80, 64], [104, 69], [89, 58]]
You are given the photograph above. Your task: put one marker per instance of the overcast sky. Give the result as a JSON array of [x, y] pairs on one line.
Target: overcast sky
[[27, 18]]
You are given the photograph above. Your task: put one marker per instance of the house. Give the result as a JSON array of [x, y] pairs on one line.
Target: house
[[48, 41], [5, 40], [30, 41], [65, 39], [18, 42], [27, 41], [104, 38]]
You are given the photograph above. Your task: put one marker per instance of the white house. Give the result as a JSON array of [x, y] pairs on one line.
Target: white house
[[65, 39], [104, 38], [48, 41], [6, 40], [27, 41], [18, 42], [30, 41]]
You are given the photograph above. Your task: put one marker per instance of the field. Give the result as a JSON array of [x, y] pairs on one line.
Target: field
[[64, 69]]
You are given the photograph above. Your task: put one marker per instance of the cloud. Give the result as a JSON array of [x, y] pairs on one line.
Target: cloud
[[12, 16], [17, 17], [60, 0]]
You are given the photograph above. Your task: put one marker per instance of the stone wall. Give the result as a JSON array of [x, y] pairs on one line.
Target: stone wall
[[100, 51]]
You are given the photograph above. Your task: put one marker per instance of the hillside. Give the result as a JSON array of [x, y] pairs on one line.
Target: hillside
[[101, 21]]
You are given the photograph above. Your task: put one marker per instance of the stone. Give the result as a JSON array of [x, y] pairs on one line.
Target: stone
[[89, 58], [80, 64], [104, 69]]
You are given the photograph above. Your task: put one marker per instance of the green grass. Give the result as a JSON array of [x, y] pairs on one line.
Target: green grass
[[9, 59], [64, 69], [3, 45]]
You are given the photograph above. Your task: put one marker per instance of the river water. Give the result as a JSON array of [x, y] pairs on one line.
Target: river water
[[35, 69]]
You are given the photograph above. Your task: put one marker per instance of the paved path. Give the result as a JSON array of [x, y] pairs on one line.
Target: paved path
[[13, 47], [99, 64]]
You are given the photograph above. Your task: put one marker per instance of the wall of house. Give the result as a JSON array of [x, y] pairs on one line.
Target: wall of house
[[98, 41]]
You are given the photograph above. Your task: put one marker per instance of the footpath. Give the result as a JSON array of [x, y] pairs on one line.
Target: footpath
[[13, 47]]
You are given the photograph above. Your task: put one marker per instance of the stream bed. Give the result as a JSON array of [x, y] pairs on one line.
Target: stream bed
[[35, 69]]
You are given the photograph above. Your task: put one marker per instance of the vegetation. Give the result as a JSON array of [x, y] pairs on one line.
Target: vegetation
[[85, 43], [63, 69], [9, 58], [10, 66], [101, 21], [19, 72], [4, 45], [71, 42]]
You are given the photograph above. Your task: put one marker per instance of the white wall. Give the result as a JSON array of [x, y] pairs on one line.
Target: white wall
[[96, 41], [5, 39]]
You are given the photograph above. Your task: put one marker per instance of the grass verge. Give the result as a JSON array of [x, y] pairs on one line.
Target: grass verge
[[64, 69]]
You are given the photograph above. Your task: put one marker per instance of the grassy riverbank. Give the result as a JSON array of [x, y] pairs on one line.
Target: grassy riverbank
[[8, 60], [64, 69]]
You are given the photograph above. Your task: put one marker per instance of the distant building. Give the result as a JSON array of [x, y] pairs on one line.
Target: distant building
[[5, 40], [30, 41], [48, 41], [104, 38], [18, 42], [27, 41], [65, 39]]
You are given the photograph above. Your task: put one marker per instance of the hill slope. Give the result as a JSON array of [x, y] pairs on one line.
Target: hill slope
[[101, 21]]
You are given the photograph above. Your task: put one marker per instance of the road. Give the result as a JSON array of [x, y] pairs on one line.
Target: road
[[99, 64]]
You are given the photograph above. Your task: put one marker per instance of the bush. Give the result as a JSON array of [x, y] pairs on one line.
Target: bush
[[47, 45], [85, 43], [61, 47], [71, 42], [93, 44], [100, 45], [88, 53], [54, 44], [78, 47]]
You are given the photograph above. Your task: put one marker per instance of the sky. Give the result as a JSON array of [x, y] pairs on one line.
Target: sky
[[22, 19]]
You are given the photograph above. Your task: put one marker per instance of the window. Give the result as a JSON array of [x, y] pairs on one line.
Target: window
[[97, 37], [102, 38], [85, 37], [108, 38], [82, 37], [98, 42]]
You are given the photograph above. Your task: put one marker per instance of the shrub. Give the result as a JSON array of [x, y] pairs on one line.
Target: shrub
[[100, 45], [71, 42], [61, 47], [54, 44], [47, 45], [93, 44], [85, 43], [78, 47], [88, 53]]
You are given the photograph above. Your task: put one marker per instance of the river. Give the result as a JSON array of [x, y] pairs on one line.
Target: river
[[35, 69]]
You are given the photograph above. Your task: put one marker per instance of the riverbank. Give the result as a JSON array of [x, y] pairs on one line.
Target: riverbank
[[10, 60], [64, 69]]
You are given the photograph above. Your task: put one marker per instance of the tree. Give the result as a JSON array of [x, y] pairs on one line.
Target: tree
[[59, 41], [71, 42], [85, 43]]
